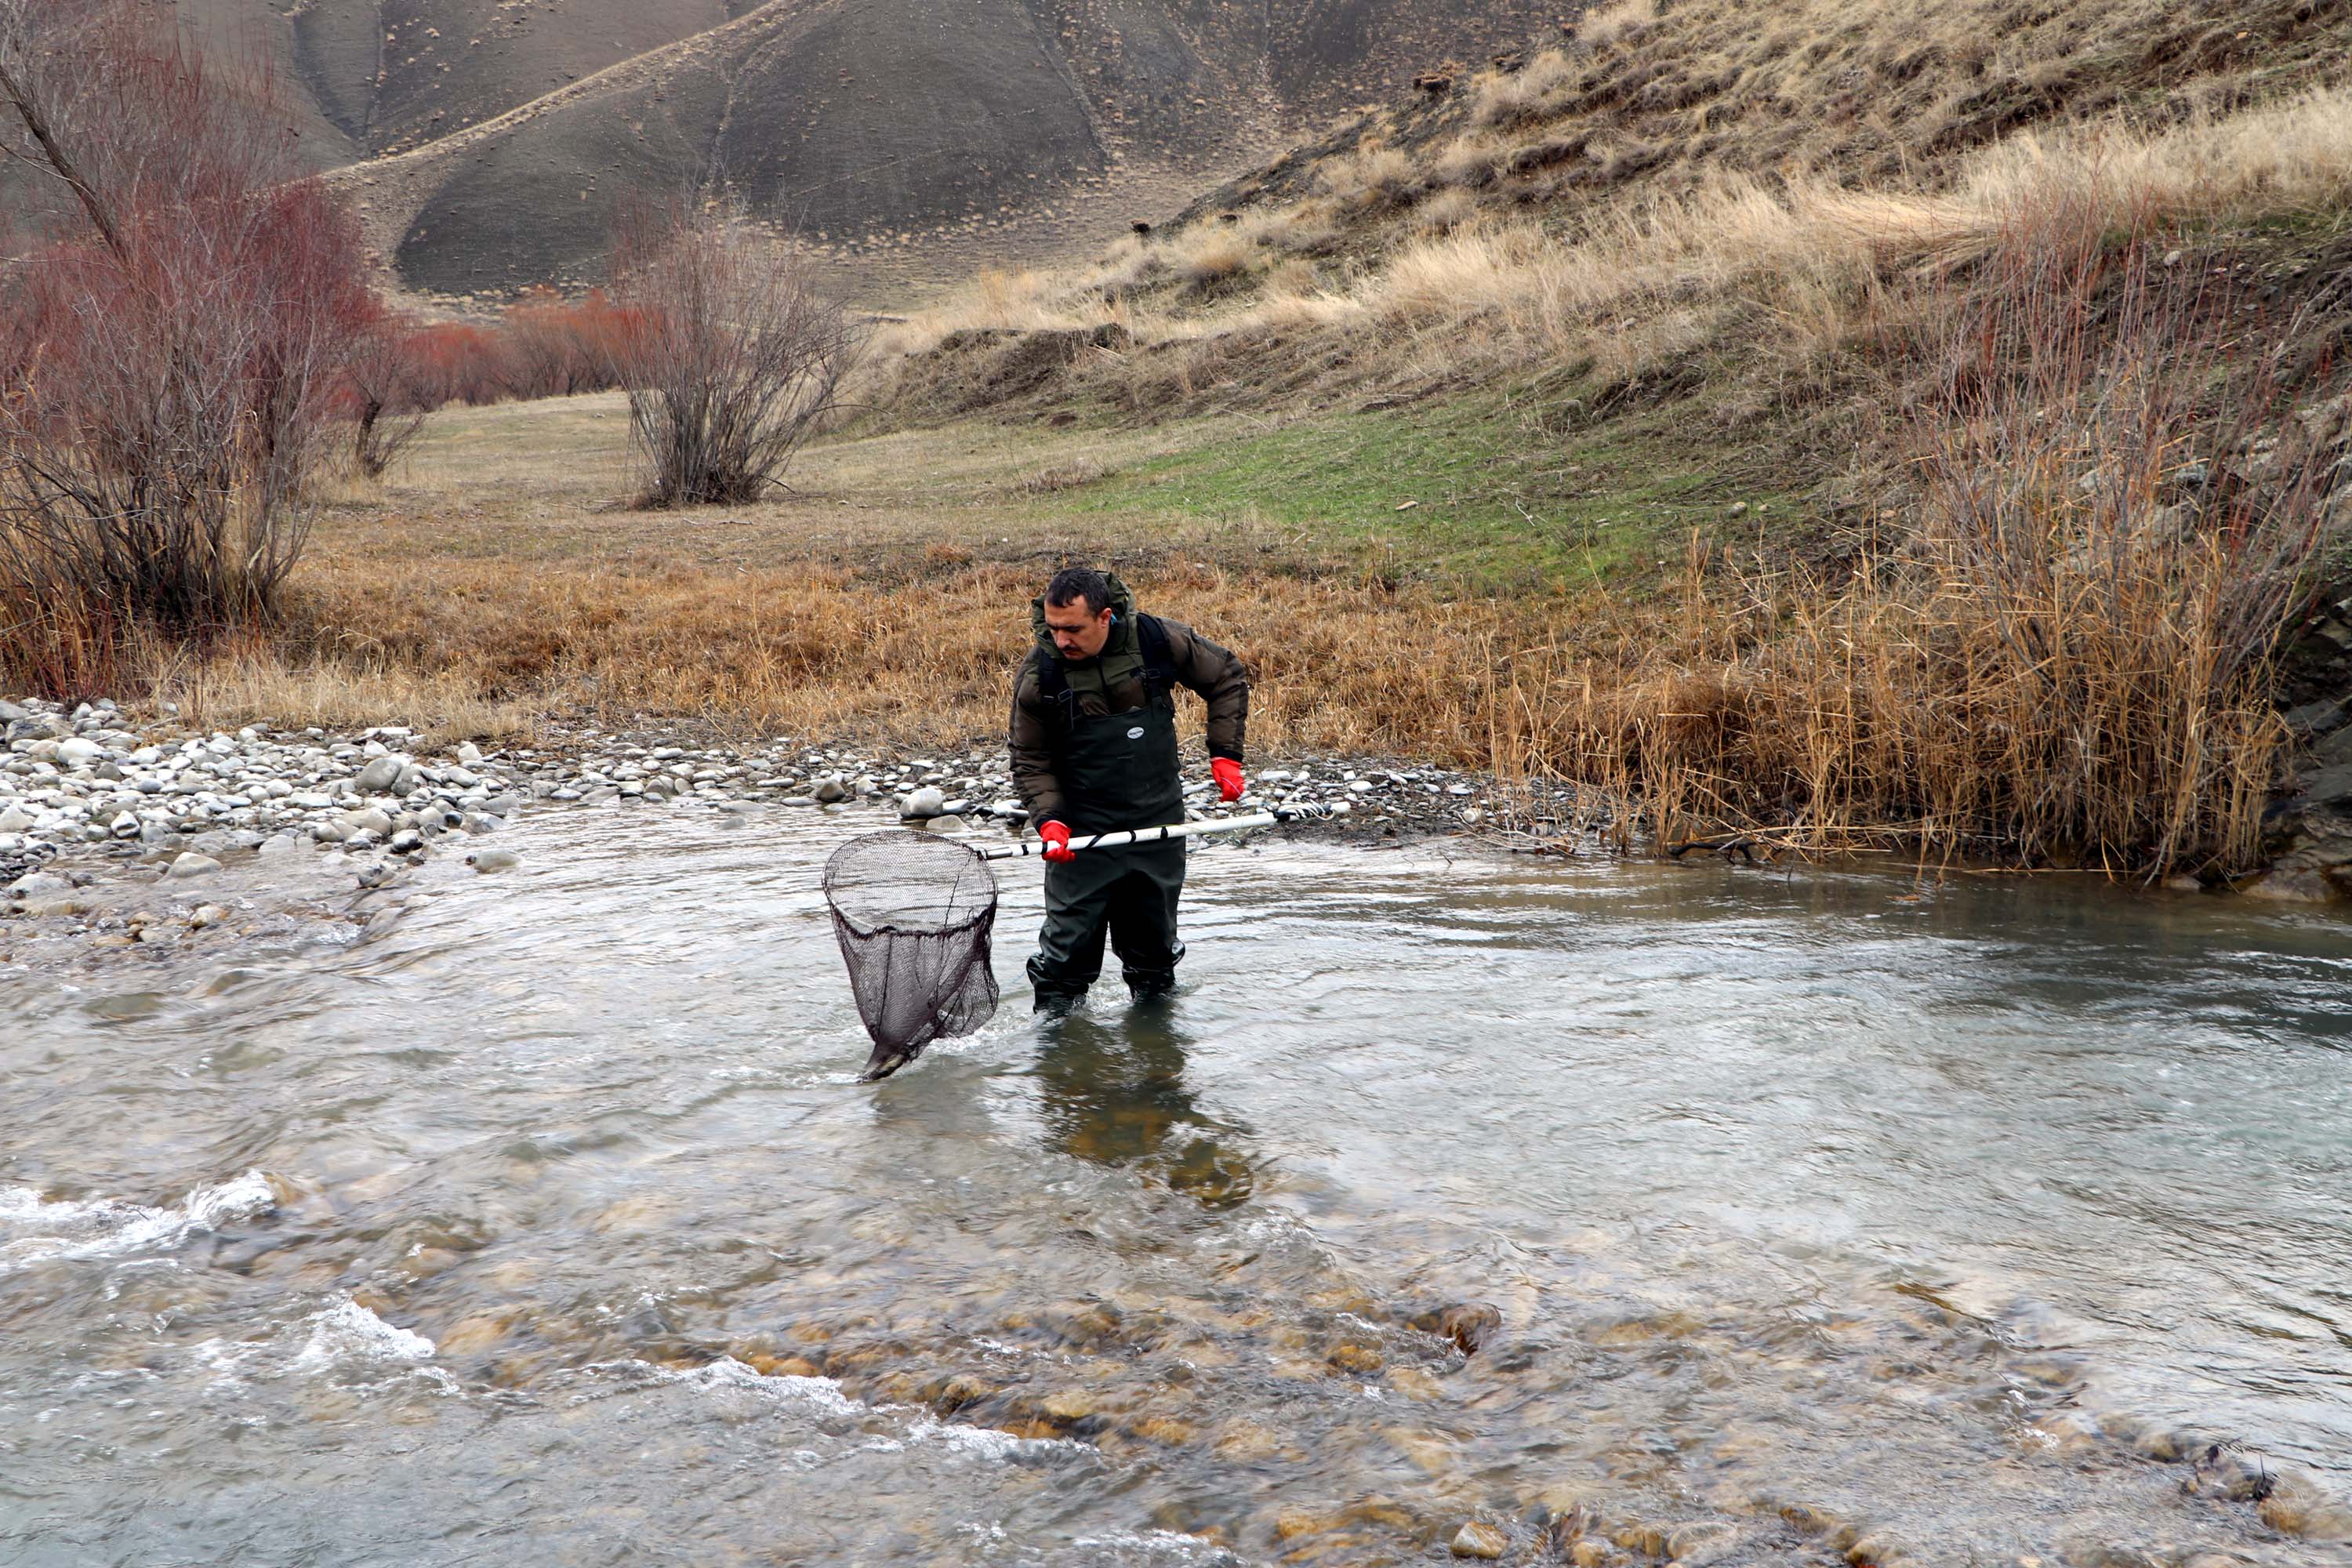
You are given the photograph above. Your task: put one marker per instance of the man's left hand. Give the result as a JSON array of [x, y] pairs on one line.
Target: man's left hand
[[1228, 773]]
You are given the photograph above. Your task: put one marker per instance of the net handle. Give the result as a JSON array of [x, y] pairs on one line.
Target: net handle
[[1029, 847]]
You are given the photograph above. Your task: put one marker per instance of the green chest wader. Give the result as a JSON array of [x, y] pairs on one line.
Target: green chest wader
[[1116, 771], [1121, 770]]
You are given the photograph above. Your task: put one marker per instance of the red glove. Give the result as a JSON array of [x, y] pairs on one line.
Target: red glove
[[1228, 775], [1058, 841]]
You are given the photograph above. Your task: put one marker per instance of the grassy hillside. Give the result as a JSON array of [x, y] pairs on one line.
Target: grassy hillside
[[1691, 194]]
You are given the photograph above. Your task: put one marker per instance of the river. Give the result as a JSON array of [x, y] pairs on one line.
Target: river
[[547, 1223]]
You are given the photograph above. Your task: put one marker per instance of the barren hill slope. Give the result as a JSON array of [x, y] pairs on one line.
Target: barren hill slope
[[493, 139]]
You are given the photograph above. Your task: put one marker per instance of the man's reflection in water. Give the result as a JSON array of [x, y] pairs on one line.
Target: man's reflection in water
[[1114, 1094]]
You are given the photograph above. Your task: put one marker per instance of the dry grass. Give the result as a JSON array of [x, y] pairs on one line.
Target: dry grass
[[1880, 93], [2055, 654], [1785, 280], [887, 598], [833, 652], [1371, 177], [2040, 656], [1618, 23], [1445, 212], [1732, 176], [1743, 239], [1900, 711], [2048, 658], [1212, 258], [2064, 652], [1503, 99], [255, 680], [1068, 476], [1469, 161]]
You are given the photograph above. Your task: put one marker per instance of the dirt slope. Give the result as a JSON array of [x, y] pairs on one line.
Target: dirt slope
[[492, 139]]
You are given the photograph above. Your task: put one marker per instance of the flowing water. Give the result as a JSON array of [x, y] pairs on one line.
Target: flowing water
[[547, 1225]]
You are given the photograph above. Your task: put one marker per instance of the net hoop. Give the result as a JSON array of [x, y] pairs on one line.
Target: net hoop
[[914, 913]]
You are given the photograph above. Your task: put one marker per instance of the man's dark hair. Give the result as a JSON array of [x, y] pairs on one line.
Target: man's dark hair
[[1072, 584]]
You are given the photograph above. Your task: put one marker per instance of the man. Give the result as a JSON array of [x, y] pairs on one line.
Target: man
[[1093, 750]]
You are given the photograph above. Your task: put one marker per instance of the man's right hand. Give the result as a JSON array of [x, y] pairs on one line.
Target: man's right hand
[[1058, 841]]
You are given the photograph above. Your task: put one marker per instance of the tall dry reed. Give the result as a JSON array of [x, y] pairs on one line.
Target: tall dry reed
[[2060, 647]]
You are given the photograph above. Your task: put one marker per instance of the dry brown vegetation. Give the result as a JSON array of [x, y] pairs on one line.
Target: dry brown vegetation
[[1770, 224], [495, 581], [733, 358], [2060, 653], [1692, 176], [2067, 653], [1773, 275], [171, 335], [2002, 277]]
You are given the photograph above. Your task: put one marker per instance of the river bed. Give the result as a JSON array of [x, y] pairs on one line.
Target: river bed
[[1634, 1211]]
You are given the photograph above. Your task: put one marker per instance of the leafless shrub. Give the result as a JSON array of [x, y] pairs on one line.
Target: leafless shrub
[[170, 339], [384, 386], [733, 358]]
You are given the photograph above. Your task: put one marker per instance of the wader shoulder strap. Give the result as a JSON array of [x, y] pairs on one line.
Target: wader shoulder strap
[[1158, 672]]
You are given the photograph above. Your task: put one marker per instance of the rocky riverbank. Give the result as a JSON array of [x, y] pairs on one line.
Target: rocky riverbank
[[100, 795]]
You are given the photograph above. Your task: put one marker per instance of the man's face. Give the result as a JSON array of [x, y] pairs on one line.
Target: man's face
[[1078, 632]]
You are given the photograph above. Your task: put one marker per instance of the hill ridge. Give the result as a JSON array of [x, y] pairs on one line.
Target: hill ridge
[[913, 140]]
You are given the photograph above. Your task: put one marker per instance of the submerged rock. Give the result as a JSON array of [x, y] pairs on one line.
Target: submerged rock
[[1481, 1540]]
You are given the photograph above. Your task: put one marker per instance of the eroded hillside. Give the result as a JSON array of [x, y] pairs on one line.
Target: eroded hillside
[[492, 142]]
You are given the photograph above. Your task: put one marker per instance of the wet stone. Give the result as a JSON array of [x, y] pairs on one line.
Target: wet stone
[[1069, 1406], [1480, 1540], [1292, 1523], [1695, 1545], [1469, 1324], [1166, 1430], [1246, 1440]]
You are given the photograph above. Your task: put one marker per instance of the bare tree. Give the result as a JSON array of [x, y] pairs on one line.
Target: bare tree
[[50, 71], [731, 356], [170, 337], [383, 383]]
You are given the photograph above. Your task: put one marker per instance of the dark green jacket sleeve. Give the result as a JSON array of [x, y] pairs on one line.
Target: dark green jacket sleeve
[[1033, 747], [1218, 675]]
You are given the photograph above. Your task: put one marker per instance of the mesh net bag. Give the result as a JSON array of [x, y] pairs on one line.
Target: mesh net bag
[[914, 913]]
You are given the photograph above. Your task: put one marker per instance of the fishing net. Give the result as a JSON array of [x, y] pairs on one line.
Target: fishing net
[[914, 913]]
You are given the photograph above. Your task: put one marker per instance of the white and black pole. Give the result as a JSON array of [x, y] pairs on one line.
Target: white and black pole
[[1280, 813]]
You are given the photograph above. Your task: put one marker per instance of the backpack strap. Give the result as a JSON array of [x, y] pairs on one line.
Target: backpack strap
[[1159, 673], [1159, 659]]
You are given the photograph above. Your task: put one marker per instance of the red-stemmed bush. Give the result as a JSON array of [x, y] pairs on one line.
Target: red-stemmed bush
[[178, 325]]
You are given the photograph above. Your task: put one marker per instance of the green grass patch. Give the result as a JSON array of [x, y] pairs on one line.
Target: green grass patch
[[1481, 490]]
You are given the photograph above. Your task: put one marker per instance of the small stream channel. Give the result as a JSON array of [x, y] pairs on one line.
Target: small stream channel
[[548, 1225]]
